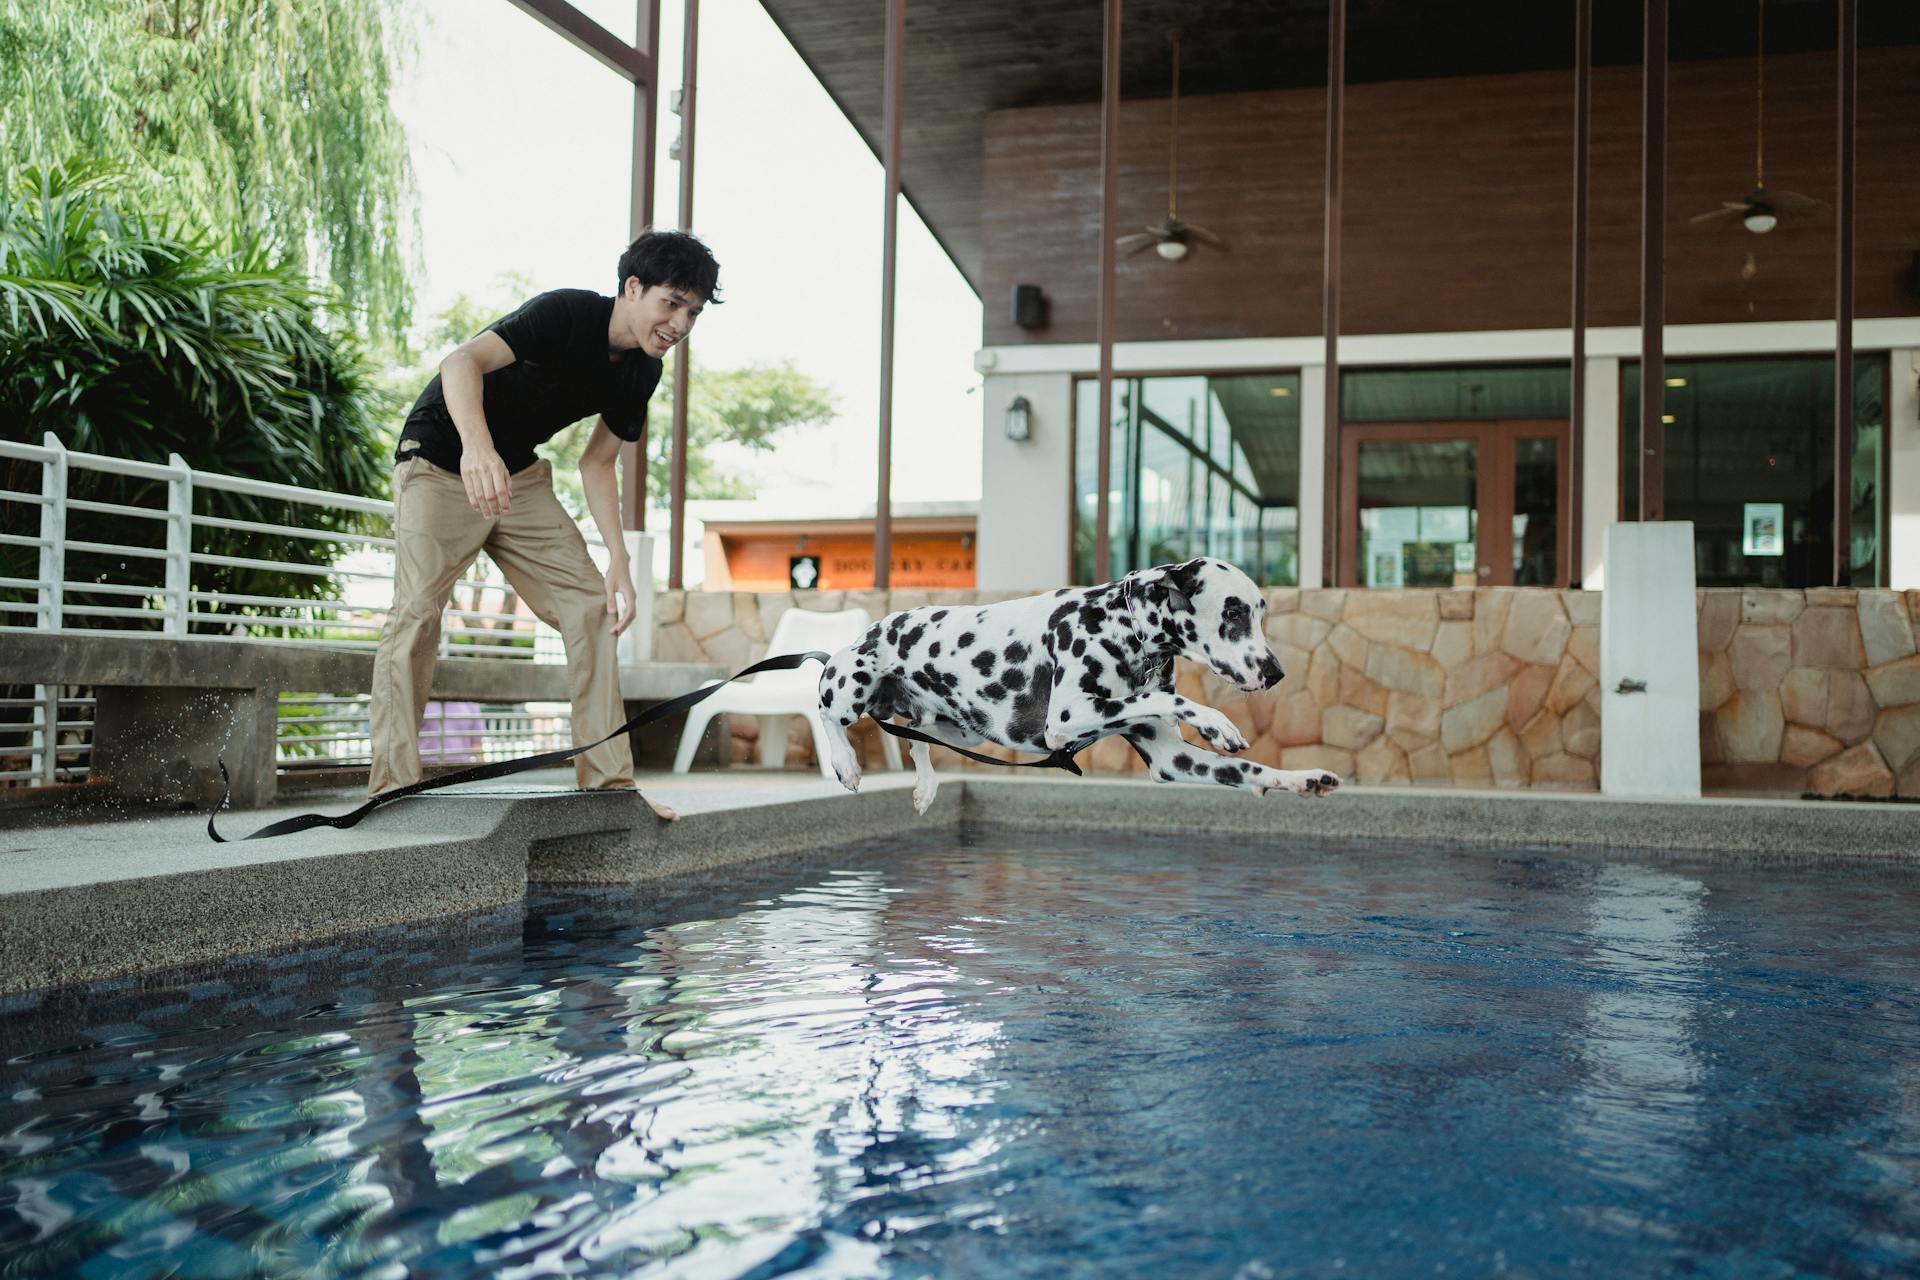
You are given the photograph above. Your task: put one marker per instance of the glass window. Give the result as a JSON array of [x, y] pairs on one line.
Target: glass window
[[1418, 512], [1200, 466], [1749, 447], [1454, 395]]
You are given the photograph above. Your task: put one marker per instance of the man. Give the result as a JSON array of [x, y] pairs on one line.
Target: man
[[467, 479]]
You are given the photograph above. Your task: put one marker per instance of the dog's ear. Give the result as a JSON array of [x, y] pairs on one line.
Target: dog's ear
[[1162, 585]]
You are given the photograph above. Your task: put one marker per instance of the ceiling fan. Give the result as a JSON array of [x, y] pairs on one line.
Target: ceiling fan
[[1171, 239], [1760, 211]]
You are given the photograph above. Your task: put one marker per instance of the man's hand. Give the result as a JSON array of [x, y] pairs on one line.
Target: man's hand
[[489, 488], [620, 596]]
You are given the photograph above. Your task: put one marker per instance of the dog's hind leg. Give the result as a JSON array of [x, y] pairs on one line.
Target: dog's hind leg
[[926, 782], [1171, 758]]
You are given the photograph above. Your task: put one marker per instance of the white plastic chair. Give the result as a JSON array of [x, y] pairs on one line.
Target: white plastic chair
[[776, 695]]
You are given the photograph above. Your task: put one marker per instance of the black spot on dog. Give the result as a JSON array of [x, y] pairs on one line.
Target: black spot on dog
[[1060, 615], [1079, 646], [861, 677], [1236, 620], [1016, 652], [826, 697], [993, 692], [1027, 722], [1013, 678], [1183, 761], [933, 650], [911, 639], [965, 641], [937, 615], [983, 662]]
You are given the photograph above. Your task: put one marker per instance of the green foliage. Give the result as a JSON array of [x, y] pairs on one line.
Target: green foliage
[[127, 337], [262, 122], [747, 407]]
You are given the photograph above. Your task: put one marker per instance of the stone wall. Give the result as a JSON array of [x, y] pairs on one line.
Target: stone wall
[[1813, 690]]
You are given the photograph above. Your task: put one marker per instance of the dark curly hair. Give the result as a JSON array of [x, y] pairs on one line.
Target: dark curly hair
[[674, 258]]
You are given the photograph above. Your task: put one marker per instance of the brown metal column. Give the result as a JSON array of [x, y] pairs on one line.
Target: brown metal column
[[646, 98], [1843, 308], [1577, 406], [1330, 565], [883, 495], [683, 355], [1109, 202], [1653, 291]]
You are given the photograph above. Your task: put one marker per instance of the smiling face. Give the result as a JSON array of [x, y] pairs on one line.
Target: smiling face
[[654, 318], [1212, 612]]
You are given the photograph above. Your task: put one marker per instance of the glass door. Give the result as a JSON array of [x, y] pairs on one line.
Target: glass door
[[1453, 504]]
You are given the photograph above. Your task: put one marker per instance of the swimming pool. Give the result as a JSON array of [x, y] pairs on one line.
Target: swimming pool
[[1010, 1053]]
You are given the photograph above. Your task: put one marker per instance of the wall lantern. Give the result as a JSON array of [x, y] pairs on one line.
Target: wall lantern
[[1019, 419]]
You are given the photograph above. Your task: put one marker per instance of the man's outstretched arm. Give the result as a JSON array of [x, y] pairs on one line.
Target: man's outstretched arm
[[489, 490]]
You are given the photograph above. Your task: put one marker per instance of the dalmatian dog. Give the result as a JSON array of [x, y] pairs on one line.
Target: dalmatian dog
[[1065, 670]]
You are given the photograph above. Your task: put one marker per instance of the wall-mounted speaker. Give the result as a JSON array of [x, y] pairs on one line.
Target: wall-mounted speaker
[[1029, 306]]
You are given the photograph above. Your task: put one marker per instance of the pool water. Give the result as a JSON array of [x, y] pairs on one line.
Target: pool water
[[1020, 1054]]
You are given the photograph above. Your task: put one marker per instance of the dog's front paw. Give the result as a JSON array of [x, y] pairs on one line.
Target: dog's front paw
[[846, 767], [1220, 732], [1305, 782]]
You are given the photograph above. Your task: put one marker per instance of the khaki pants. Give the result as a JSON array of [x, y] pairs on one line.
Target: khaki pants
[[538, 546]]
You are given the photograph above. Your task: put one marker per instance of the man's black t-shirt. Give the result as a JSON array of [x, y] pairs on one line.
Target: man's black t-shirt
[[560, 374]]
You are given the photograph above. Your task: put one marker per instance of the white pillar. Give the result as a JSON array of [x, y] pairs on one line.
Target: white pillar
[[1903, 472], [636, 642], [1599, 468], [1649, 663], [1026, 486], [1313, 473]]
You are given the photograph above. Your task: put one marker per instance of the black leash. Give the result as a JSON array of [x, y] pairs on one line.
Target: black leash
[[1061, 759]]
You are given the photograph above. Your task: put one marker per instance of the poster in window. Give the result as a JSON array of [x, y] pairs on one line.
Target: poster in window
[[1763, 529]]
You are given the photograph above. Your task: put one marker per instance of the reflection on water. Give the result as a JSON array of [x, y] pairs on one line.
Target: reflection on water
[[1077, 1057], [1635, 1106]]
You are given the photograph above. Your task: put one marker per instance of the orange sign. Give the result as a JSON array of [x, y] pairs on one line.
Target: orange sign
[[764, 562]]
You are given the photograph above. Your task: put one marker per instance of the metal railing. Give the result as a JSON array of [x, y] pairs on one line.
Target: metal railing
[[153, 571], [320, 731]]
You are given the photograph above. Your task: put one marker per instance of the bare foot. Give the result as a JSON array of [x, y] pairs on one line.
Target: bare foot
[[660, 811]]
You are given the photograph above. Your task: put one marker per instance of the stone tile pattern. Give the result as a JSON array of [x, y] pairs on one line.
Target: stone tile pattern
[[1492, 688], [1810, 691], [1800, 691]]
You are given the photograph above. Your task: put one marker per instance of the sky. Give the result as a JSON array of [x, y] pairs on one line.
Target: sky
[[520, 147]]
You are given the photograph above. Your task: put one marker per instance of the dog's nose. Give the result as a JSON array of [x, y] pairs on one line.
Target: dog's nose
[[1270, 672]]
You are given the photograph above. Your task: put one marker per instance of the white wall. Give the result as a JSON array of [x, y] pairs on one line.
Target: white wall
[[1599, 468], [1025, 486], [1903, 472], [1313, 473]]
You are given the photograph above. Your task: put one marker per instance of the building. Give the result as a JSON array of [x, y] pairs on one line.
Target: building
[[1455, 455], [753, 546]]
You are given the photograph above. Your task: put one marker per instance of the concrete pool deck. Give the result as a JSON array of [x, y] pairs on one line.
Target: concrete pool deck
[[82, 900]]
